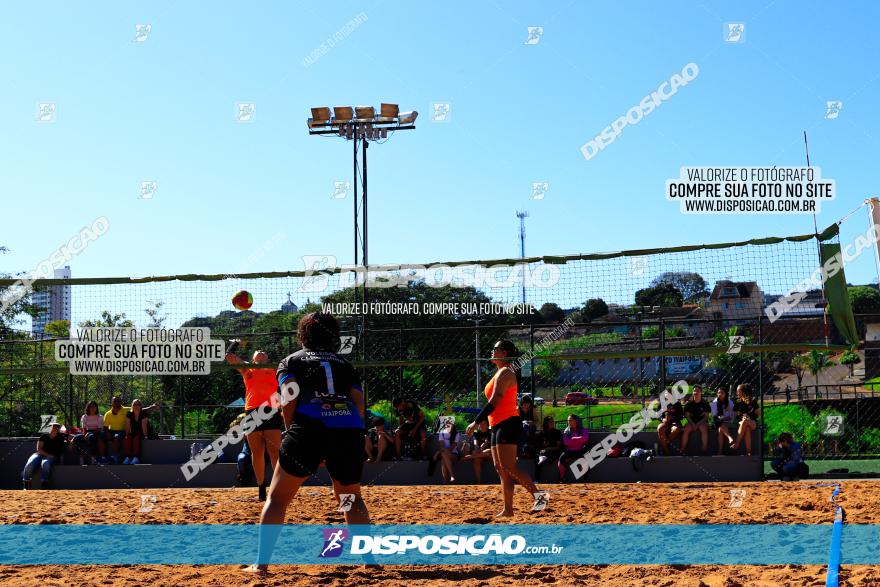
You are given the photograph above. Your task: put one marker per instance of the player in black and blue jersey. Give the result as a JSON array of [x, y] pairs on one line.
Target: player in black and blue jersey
[[323, 409]]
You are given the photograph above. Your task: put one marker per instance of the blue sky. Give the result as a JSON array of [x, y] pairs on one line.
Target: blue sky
[[163, 110]]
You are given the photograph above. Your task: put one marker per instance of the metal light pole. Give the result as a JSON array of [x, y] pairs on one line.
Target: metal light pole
[[361, 125]]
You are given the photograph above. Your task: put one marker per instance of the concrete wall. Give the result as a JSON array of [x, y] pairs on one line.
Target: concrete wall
[[163, 458]]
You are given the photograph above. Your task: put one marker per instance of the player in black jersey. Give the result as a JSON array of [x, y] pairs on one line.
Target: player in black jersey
[[323, 409]]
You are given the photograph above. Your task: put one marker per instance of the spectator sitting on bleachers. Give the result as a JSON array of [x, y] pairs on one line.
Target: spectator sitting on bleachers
[[722, 416], [527, 446], [697, 413], [748, 410], [549, 443], [135, 432], [574, 444], [411, 425], [447, 452], [670, 427], [378, 441], [244, 465], [92, 424], [115, 426], [480, 449], [789, 461], [50, 447]]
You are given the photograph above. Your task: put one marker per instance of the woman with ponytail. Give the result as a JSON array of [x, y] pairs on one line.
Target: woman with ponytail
[[505, 426]]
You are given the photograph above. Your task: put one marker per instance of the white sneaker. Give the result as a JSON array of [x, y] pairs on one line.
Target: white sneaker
[[127, 461], [541, 499], [135, 461]]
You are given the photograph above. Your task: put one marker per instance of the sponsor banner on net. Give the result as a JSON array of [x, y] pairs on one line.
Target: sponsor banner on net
[[139, 351], [424, 308], [321, 269], [435, 544], [750, 190]]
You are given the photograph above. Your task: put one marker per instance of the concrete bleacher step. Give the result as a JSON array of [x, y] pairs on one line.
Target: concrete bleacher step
[[163, 458], [612, 470]]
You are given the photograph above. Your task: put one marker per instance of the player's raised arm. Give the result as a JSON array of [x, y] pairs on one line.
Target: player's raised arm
[[231, 357]]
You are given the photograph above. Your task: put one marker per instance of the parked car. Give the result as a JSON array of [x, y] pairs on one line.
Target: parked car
[[579, 398]]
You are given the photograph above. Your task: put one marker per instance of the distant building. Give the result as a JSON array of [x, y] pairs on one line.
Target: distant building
[[813, 304], [737, 301], [53, 303], [289, 307]]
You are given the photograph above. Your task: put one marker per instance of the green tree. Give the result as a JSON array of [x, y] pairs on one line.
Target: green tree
[[799, 366], [864, 299], [664, 294], [850, 359], [15, 302], [739, 367], [156, 321], [58, 328], [108, 320], [594, 308], [818, 361], [551, 312], [691, 285]]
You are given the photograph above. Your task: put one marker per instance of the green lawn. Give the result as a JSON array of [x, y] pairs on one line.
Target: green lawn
[[853, 466]]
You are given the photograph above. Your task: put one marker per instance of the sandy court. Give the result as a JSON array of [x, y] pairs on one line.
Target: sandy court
[[685, 503]]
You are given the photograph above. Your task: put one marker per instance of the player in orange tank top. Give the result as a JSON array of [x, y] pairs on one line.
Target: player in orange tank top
[[260, 384], [505, 427]]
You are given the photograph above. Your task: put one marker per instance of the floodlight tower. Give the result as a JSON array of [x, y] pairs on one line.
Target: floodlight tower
[[361, 126], [522, 215]]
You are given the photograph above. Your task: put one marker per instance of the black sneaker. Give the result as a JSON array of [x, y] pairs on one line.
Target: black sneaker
[[26, 484], [261, 496]]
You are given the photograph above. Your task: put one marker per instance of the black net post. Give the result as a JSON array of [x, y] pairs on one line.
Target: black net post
[[761, 392]]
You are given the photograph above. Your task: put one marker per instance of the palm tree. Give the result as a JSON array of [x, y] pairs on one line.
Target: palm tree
[[850, 358], [818, 361], [799, 364]]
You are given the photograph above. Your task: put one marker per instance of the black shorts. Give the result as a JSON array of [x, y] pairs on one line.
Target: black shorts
[[276, 422], [508, 431], [308, 442]]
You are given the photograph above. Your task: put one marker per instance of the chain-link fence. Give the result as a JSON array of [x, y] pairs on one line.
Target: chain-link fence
[[603, 371]]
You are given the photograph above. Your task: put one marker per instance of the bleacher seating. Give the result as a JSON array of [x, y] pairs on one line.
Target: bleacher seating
[[162, 460]]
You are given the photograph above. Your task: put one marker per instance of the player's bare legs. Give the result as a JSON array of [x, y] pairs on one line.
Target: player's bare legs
[[282, 490]]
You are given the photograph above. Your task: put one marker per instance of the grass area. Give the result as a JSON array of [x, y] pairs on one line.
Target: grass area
[[818, 467]]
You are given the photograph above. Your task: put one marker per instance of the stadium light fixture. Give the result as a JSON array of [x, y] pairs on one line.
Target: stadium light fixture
[[320, 117], [365, 113], [408, 117], [388, 112], [342, 114], [361, 125]]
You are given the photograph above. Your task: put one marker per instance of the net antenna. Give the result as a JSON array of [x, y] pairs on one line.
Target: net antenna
[[874, 219], [522, 215], [825, 327]]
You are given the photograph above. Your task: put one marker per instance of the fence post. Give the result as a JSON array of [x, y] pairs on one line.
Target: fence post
[[477, 358], [399, 358], [761, 392], [70, 416], [662, 356], [182, 410], [532, 360], [858, 427]]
